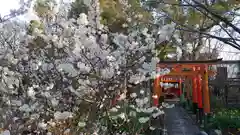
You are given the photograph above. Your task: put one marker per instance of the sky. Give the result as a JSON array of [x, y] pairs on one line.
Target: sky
[[227, 52], [6, 5]]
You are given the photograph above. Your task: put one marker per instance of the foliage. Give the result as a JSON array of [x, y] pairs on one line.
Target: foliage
[[44, 8], [116, 14], [226, 118], [216, 102]]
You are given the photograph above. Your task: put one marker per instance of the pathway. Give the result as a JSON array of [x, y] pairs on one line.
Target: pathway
[[178, 122]]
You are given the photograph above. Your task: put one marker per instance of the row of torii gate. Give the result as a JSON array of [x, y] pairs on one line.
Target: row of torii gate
[[192, 77]]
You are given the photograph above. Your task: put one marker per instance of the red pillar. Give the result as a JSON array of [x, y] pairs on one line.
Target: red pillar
[[199, 90], [180, 86], [206, 96], [194, 87]]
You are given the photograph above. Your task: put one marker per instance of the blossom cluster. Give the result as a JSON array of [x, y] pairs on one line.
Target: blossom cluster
[[132, 116]]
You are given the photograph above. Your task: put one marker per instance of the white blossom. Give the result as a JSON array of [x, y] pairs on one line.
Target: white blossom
[[122, 97], [132, 113], [49, 133], [143, 119], [155, 115], [133, 95], [152, 128], [62, 116], [166, 105], [113, 109], [81, 124], [31, 92], [122, 115], [25, 108], [42, 125], [54, 102], [5, 132], [50, 86], [142, 92]]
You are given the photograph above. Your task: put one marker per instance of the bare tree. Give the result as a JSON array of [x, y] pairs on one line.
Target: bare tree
[[197, 21]]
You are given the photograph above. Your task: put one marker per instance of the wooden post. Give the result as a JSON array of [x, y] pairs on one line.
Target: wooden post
[[200, 97], [194, 90], [180, 86], [181, 89], [183, 96], [206, 91], [206, 98], [194, 87], [188, 88], [199, 89]]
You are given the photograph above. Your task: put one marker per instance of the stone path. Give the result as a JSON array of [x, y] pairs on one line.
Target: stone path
[[178, 122]]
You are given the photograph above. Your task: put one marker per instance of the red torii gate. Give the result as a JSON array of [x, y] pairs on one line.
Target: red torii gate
[[198, 72]]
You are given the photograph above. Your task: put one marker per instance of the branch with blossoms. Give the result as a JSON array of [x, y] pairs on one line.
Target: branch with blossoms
[[70, 74]]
